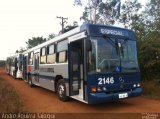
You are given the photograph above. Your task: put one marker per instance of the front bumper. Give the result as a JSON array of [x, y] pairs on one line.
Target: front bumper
[[95, 98]]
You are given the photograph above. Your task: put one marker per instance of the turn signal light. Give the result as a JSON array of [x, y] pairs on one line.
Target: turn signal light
[[94, 89]]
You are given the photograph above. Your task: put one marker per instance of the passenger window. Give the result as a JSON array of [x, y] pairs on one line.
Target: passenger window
[[51, 56], [43, 51], [62, 56], [62, 48], [30, 58], [63, 45], [50, 49], [43, 56]]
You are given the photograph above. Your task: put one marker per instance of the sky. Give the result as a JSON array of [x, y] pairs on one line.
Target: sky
[[24, 19]]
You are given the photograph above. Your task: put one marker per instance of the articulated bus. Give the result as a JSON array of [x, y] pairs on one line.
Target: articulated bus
[[14, 65], [91, 63]]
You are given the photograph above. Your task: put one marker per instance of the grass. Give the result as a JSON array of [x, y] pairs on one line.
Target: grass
[[10, 101], [151, 89]]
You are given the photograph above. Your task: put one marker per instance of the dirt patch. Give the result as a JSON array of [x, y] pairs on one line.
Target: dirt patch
[[41, 100]]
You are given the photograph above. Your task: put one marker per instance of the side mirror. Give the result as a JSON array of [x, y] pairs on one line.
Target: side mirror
[[88, 45]]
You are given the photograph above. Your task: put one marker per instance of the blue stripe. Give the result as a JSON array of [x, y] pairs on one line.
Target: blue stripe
[[49, 77]]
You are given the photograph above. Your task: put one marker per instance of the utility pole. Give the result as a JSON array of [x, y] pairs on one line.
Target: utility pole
[[62, 22]]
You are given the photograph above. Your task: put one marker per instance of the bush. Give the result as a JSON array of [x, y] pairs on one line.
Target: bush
[[149, 56], [151, 88]]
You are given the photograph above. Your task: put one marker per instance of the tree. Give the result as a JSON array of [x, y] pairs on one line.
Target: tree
[[51, 36], [70, 27], [35, 41], [149, 55], [129, 13], [109, 11], [149, 47], [21, 50], [153, 9], [100, 12]]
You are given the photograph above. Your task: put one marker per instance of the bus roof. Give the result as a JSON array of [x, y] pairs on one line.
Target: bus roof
[[92, 29]]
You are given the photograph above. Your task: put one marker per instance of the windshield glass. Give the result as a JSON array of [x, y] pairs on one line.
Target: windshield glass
[[129, 61], [112, 55]]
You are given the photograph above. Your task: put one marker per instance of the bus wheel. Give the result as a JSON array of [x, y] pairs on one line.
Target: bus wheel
[[30, 81], [14, 74], [61, 90]]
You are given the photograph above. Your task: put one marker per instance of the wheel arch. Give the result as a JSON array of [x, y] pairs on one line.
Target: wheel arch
[[57, 78]]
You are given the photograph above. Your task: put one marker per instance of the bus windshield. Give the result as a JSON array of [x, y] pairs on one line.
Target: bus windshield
[[113, 55]]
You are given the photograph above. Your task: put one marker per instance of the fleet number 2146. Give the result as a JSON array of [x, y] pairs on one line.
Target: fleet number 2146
[[103, 81]]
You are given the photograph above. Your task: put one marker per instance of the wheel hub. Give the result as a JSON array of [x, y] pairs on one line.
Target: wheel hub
[[61, 90]]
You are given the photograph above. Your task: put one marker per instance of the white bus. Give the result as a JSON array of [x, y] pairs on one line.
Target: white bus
[[91, 63], [14, 65]]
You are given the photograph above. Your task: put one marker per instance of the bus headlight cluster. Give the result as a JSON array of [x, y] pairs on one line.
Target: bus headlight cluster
[[101, 89], [98, 89], [104, 89], [136, 85]]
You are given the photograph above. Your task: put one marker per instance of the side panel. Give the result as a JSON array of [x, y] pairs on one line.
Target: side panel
[[48, 73]]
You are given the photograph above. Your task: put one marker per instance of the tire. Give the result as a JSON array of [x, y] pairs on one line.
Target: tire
[[61, 91], [14, 74], [30, 81]]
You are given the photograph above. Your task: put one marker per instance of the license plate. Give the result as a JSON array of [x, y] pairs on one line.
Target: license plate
[[123, 95]]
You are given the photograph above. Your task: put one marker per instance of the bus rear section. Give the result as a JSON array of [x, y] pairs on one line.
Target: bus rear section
[[14, 65], [8, 65]]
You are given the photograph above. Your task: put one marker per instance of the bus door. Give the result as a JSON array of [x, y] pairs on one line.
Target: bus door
[[36, 68], [76, 69]]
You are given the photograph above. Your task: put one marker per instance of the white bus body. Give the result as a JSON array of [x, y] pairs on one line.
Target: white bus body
[[14, 65]]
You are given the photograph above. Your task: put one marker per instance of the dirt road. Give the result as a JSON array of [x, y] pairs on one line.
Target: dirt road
[[41, 100]]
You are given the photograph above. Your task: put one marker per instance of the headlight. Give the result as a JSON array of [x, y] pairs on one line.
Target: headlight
[[104, 89], [138, 85], [134, 85], [99, 89]]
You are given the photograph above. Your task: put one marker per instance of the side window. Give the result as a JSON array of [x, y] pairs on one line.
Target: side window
[[51, 56], [30, 61], [62, 48], [50, 49], [43, 56]]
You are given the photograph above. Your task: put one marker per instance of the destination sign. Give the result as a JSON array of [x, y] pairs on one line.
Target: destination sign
[[112, 32]]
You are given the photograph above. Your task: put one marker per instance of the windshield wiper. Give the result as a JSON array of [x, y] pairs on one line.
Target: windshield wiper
[[114, 44], [110, 40], [121, 46], [117, 44]]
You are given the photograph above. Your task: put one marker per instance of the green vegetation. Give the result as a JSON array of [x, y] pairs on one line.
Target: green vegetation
[[9, 99], [151, 89], [34, 41]]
